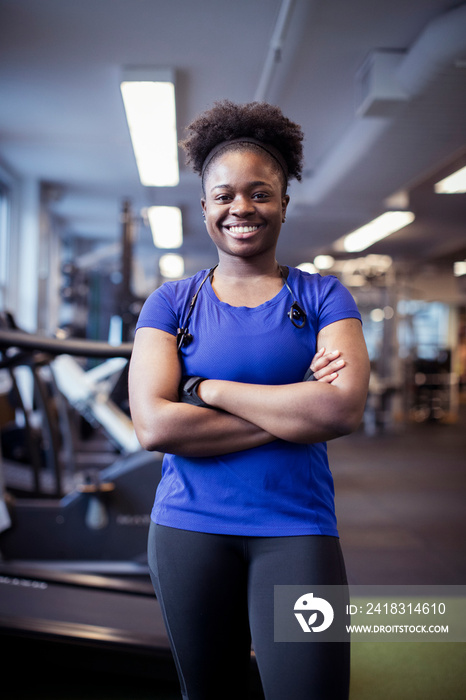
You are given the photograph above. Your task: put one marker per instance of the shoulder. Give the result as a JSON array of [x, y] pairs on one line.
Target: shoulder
[[325, 295], [178, 290], [312, 283], [166, 303]]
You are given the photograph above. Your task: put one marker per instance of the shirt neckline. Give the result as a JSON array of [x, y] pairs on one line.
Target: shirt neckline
[[270, 302]]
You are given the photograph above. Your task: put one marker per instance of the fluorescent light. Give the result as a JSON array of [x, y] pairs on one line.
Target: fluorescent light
[[324, 262], [166, 226], [377, 315], [459, 268], [151, 115], [375, 230], [171, 266], [453, 184]]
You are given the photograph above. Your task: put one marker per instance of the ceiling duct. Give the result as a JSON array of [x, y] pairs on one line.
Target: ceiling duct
[[378, 91], [441, 44], [275, 50]]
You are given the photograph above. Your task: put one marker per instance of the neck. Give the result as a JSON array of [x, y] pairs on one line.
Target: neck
[[233, 268], [246, 282]]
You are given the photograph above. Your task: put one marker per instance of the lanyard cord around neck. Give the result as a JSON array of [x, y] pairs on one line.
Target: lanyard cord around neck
[[296, 314], [184, 337]]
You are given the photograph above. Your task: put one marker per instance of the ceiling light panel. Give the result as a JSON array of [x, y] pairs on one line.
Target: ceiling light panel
[[453, 184], [324, 262], [171, 266], [149, 101], [166, 226], [376, 230]]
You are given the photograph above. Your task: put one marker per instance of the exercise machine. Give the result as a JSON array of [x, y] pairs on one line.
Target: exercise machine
[[86, 624], [74, 584], [93, 514]]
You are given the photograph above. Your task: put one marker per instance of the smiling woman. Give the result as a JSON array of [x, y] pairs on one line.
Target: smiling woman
[[244, 206], [246, 498]]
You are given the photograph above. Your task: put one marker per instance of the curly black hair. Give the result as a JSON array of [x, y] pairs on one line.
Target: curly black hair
[[227, 120]]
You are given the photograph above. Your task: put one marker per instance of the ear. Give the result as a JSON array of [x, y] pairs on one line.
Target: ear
[[285, 202], [204, 208]]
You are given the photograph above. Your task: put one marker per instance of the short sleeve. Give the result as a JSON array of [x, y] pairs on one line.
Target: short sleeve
[[336, 303], [158, 312]]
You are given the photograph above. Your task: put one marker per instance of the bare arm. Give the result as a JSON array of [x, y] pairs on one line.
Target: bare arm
[[307, 411], [163, 423]]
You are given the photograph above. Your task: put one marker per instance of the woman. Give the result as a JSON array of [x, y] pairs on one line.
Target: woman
[[246, 497]]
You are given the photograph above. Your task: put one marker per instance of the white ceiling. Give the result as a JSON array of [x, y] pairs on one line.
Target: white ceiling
[[62, 118]]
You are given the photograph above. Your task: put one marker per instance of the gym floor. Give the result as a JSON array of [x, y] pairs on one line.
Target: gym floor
[[400, 502], [400, 498]]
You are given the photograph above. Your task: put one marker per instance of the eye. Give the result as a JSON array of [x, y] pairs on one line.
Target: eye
[[260, 195], [223, 198]]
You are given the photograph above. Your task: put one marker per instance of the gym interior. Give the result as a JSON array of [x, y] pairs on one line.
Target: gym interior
[[380, 91]]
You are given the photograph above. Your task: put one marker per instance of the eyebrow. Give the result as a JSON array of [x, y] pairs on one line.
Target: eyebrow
[[255, 183]]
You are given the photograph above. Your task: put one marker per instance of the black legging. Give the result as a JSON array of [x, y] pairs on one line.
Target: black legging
[[216, 591]]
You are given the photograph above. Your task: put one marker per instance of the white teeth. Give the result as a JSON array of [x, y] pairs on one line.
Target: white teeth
[[243, 229]]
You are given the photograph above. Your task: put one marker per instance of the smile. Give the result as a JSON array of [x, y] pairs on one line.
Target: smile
[[242, 229], [242, 232]]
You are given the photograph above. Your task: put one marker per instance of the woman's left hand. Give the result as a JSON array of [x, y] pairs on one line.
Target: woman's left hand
[[324, 366]]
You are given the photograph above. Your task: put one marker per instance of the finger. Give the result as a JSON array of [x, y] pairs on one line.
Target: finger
[[324, 361], [331, 355], [329, 369], [328, 378], [328, 363], [318, 355]]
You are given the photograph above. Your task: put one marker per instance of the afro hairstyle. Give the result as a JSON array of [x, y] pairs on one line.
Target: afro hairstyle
[[227, 120]]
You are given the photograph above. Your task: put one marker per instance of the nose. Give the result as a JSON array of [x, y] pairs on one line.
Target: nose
[[241, 206]]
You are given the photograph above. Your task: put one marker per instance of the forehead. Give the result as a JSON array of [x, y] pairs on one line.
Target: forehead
[[241, 165]]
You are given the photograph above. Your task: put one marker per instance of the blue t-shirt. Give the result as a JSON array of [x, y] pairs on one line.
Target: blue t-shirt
[[281, 488]]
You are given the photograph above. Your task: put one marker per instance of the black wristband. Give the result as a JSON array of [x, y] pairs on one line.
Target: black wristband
[[187, 391], [309, 376]]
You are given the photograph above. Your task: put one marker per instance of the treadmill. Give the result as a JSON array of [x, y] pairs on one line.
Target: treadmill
[[82, 621], [94, 617]]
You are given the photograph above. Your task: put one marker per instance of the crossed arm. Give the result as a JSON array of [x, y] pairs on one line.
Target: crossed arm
[[250, 415]]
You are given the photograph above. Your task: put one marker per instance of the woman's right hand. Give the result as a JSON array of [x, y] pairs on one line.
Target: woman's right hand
[[325, 366]]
